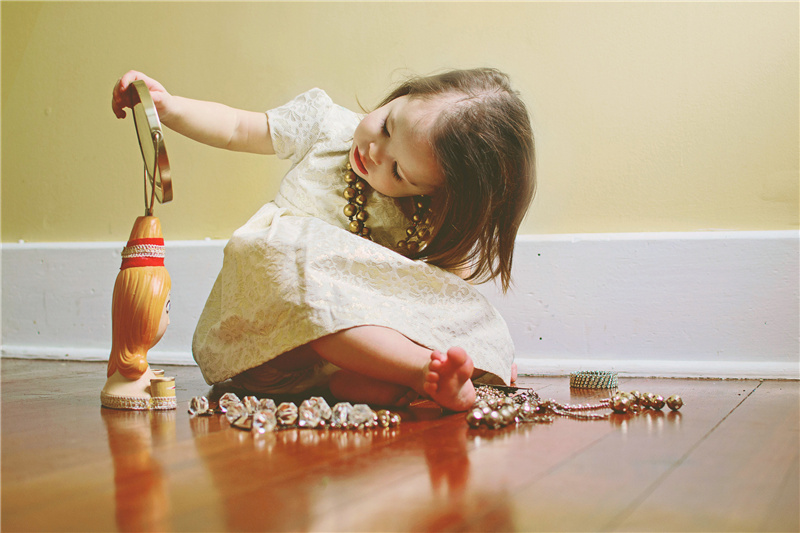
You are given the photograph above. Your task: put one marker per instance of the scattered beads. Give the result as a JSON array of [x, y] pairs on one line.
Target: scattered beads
[[262, 416], [634, 401], [675, 402]]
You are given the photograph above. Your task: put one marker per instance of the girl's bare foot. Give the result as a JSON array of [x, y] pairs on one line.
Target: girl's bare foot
[[448, 379], [513, 373]]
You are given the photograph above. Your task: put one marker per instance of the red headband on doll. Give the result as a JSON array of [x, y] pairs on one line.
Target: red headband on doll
[[143, 252]]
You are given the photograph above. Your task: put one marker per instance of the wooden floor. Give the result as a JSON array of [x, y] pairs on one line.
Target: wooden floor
[[728, 461]]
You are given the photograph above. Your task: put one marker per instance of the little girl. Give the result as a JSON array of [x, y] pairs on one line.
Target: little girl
[[357, 274]]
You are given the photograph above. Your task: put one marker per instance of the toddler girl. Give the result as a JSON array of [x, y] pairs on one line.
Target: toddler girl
[[358, 274]]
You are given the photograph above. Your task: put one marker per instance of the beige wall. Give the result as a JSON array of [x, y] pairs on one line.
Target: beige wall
[[649, 116]]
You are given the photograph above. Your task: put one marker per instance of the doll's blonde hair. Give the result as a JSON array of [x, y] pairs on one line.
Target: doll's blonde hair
[[140, 294]]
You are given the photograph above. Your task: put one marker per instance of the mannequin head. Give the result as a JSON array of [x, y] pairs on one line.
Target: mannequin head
[[140, 304]]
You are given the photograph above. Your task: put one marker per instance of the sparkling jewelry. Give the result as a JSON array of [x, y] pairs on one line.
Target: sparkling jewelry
[[286, 414], [417, 234], [261, 416], [497, 407], [593, 379], [674, 402], [198, 406], [264, 421]]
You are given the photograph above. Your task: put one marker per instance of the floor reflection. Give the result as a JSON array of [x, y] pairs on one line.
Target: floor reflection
[[321, 479], [457, 495], [301, 479], [141, 499], [271, 481], [448, 462]]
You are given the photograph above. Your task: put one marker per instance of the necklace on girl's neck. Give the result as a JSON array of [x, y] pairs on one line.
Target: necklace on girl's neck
[[417, 234]]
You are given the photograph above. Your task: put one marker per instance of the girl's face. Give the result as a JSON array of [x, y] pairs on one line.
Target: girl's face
[[392, 149]]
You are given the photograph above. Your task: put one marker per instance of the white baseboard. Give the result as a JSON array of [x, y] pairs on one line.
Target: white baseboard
[[706, 304], [663, 368], [56, 300]]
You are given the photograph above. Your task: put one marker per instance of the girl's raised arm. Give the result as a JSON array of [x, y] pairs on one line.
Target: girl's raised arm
[[207, 122]]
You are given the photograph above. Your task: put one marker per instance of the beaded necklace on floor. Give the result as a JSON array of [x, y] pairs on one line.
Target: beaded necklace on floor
[[497, 407], [417, 234]]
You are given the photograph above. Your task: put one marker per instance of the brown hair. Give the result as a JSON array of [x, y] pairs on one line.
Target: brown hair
[[483, 143]]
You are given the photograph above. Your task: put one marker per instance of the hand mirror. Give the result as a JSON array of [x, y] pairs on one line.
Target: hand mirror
[[157, 180]]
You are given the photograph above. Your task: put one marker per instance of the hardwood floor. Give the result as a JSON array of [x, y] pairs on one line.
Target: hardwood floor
[[728, 461]]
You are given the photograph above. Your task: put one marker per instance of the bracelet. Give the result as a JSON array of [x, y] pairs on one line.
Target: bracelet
[[593, 379]]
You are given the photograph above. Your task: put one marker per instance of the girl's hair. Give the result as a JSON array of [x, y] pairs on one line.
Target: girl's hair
[[483, 143], [140, 294]]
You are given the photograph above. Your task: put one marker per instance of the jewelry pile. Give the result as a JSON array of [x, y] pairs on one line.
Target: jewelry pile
[[262, 416], [498, 407]]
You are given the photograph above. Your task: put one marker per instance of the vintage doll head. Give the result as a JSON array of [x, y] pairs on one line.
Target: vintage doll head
[[482, 142], [140, 304]]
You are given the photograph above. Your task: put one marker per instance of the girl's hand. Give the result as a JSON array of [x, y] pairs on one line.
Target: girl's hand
[[206, 122], [121, 98]]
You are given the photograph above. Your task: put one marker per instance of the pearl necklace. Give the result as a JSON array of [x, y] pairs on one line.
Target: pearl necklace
[[417, 234]]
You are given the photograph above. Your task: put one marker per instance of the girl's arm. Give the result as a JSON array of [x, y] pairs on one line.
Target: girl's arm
[[207, 122]]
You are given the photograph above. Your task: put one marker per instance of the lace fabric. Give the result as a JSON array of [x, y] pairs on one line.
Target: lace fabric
[[293, 273]]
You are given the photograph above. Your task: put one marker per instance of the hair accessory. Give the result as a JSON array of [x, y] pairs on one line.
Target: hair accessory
[[593, 379], [143, 252], [417, 234]]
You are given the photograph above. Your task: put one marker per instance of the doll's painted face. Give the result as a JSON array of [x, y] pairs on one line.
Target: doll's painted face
[[392, 148], [164, 322]]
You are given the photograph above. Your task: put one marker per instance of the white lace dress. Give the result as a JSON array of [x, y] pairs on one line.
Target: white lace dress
[[293, 273]]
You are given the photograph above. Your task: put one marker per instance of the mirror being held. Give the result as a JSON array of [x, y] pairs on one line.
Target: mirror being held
[[157, 179], [210, 123]]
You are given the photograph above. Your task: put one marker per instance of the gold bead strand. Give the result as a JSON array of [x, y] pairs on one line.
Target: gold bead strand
[[418, 233], [356, 202]]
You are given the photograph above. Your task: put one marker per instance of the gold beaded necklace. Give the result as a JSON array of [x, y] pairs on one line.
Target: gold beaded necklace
[[417, 234]]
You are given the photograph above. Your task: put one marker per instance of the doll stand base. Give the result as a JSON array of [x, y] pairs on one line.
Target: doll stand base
[[152, 391], [138, 404]]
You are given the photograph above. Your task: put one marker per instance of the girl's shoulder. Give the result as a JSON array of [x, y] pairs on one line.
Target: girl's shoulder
[[312, 101], [307, 119], [309, 107]]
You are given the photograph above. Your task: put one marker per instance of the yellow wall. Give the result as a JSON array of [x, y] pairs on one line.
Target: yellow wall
[[649, 116]]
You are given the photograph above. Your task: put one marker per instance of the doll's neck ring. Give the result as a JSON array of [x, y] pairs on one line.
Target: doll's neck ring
[[143, 252]]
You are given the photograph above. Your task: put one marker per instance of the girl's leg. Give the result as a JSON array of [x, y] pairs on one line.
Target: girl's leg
[[382, 359], [381, 367], [262, 379], [352, 387]]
